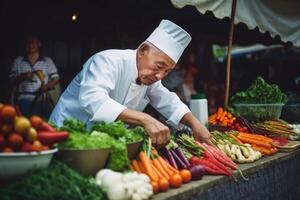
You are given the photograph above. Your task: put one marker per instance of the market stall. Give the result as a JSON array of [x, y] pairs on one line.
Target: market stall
[[253, 154]]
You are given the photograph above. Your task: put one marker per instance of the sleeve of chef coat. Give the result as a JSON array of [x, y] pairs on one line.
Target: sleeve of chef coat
[[99, 77], [167, 103]]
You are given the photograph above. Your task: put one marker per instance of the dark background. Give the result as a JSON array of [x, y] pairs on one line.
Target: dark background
[[125, 24]]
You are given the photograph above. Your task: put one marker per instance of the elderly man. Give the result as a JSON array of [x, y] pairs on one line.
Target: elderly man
[[118, 84]]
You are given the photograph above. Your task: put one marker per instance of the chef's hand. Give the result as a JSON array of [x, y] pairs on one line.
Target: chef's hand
[[158, 132], [201, 133]]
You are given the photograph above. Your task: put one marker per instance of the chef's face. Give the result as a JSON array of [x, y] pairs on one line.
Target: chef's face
[[153, 64]]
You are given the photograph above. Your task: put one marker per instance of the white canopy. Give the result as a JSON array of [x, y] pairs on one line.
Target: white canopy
[[279, 17]]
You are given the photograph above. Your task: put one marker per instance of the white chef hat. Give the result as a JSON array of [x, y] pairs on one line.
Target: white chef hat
[[170, 38]]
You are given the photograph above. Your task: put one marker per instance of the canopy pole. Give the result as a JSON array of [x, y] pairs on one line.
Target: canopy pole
[[228, 63]]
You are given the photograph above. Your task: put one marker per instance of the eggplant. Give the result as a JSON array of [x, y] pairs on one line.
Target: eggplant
[[179, 162], [180, 154], [168, 155], [197, 171]]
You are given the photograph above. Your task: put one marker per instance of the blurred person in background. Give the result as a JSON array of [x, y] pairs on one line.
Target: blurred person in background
[[32, 77]]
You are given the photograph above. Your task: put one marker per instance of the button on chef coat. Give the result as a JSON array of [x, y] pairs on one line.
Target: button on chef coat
[[100, 92]]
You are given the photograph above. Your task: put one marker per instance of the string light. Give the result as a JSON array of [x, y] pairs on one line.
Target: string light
[[74, 17]]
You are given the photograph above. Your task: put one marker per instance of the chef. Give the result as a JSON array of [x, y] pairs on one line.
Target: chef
[[118, 84]]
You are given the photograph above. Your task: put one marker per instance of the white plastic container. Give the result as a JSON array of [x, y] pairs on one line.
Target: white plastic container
[[198, 106]]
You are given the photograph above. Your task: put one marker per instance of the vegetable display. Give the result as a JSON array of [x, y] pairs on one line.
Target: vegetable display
[[234, 148], [260, 101], [260, 92], [58, 181]]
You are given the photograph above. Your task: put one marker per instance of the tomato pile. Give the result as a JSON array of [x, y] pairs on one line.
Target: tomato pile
[[21, 134]]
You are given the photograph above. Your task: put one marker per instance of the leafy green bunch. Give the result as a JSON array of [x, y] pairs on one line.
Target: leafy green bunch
[[103, 135], [260, 92]]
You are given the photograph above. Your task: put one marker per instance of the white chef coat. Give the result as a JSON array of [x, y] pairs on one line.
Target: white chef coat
[[106, 86]]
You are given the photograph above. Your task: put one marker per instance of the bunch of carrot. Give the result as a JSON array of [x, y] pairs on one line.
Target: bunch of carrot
[[161, 173], [221, 117], [215, 161], [258, 142]]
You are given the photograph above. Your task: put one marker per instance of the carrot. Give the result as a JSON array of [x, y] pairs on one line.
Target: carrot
[[172, 168], [154, 187], [159, 174], [256, 136], [131, 167], [209, 156], [219, 113], [220, 156], [213, 122], [164, 165], [225, 122], [273, 150], [213, 117], [223, 116], [136, 166], [235, 138], [229, 115], [254, 141], [263, 150], [141, 167], [146, 163], [158, 166]]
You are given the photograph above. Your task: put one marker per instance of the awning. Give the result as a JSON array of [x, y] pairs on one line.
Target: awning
[[278, 17]]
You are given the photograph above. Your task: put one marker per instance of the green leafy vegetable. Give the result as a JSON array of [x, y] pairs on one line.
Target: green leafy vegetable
[[103, 135], [118, 131], [246, 102], [86, 141], [58, 181], [74, 125], [118, 158], [260, 92]]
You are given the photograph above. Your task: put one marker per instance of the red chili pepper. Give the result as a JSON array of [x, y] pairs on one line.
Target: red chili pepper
[[50, 138], [46, 127]]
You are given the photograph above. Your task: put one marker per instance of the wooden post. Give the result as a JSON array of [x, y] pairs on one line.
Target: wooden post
[[228, 63]]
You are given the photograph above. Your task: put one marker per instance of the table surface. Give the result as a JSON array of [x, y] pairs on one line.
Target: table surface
[[196, 187]]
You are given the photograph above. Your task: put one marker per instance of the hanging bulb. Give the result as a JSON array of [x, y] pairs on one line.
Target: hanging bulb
[[74, 17]]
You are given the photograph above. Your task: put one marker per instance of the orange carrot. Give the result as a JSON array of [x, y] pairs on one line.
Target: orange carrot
[[141, 167], [172, 168], [273, 150], [219, 113], [235, 138], [131, 167], [160, 176], [146, 163], [223, 116], [164, 165], [254, 141], [229, 115], [158, 166], [263, 150], [136, 166], [213, 117], [256, 136]]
